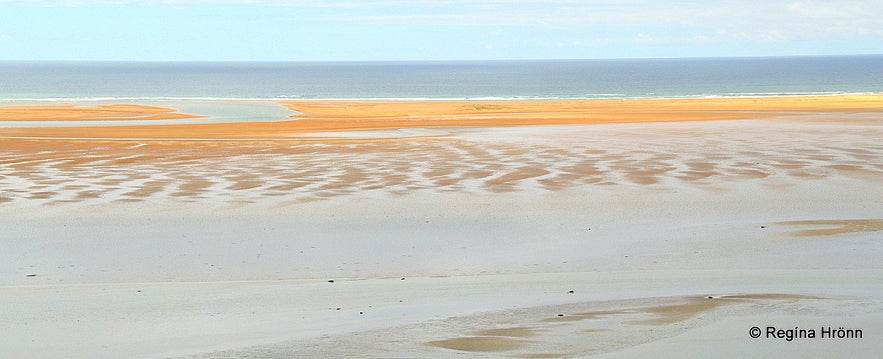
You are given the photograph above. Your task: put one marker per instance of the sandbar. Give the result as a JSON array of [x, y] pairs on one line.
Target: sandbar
[[89, 113], [314, 117]]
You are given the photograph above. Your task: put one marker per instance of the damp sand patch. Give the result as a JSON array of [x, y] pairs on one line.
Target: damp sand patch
[[830, 227]]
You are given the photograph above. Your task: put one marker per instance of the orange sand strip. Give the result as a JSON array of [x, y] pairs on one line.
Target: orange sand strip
[[338, 116], [852, 103], [97, 113]]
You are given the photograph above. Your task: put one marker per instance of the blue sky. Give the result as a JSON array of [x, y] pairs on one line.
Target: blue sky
[[313, 30]]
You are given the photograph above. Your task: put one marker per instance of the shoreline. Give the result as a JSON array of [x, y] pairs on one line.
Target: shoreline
[[159, 99]]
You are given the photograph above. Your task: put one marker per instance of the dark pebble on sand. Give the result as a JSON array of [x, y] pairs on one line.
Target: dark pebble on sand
[[331, 281], [570, 291], [560, 315]]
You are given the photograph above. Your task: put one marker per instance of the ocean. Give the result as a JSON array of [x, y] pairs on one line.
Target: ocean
[[454, 80]]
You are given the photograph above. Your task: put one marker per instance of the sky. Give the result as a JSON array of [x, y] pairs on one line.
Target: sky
[[352, 30]]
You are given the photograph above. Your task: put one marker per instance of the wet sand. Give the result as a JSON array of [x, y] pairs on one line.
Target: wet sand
[[831, 227], [496, 229], [704, 155]]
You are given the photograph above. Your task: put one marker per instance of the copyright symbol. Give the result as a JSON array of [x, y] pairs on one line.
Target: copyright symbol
[[754, 332]]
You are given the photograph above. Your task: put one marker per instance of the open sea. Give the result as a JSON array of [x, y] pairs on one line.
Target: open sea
[[456, 80]]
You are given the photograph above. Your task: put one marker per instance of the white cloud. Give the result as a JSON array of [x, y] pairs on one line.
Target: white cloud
[[287, 3], [826, 9], [331, 3], [703, 21], [4, 36], [777, 21], [645, 38], [740, 20]]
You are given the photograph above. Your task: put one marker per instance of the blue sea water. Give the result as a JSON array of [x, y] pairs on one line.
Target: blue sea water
[[470, 80]]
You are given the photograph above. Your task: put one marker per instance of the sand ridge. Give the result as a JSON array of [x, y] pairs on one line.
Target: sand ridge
[[90, 113]]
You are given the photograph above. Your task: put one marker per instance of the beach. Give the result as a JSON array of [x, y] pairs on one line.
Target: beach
[[519, 229]]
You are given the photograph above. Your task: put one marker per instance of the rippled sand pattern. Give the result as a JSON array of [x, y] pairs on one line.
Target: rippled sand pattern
[[55, 172]]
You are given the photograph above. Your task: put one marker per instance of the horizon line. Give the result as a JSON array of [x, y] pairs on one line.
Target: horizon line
[[444, 60]]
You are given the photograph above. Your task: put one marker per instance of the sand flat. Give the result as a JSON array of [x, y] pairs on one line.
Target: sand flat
[[300, 318], [623, 327], [467, 239], [498, 159]]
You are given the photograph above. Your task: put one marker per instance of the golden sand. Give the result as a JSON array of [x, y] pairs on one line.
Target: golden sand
[[94, 113], [337, 116]]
